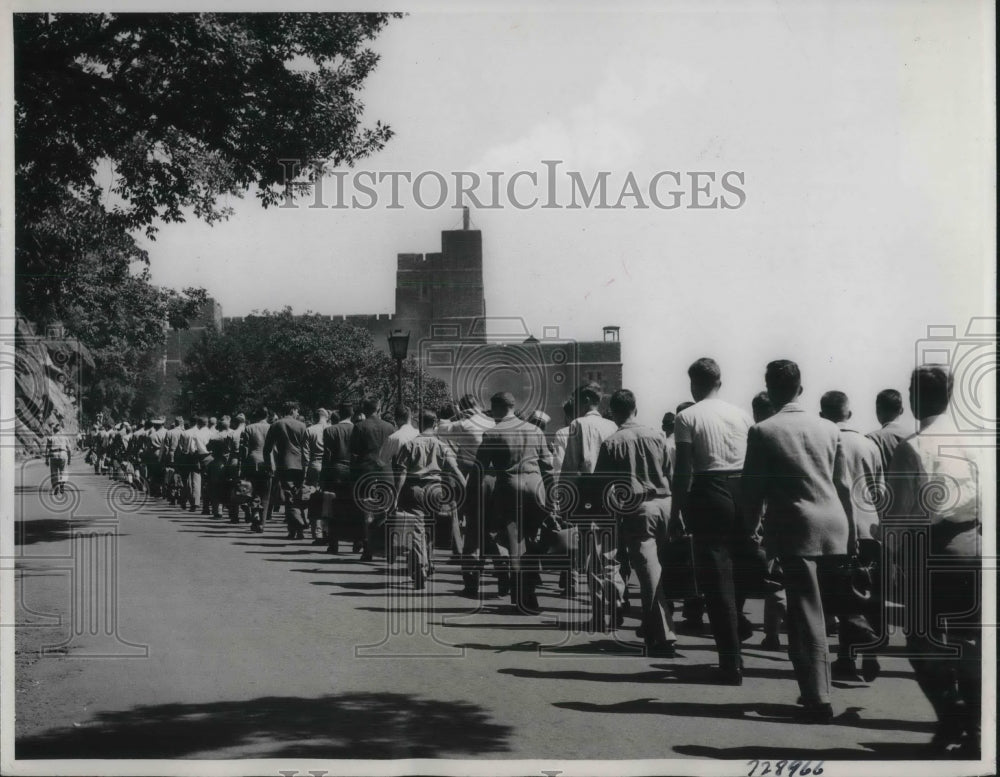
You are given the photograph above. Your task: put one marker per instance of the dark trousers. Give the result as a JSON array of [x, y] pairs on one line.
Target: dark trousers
[[815, 588], [712, 518], [290, 481], [951, 683]]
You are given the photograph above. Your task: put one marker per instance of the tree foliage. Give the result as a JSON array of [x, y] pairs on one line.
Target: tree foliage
[[125, 121], [270, 357]]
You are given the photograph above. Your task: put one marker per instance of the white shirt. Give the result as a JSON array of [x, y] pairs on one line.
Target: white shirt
[[583, 445], [466, 435], [395, 441], [717, 432], [942, 475], [559, 442]]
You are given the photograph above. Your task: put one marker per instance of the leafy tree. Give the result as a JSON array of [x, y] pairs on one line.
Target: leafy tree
[[269, 357], [124, 121]]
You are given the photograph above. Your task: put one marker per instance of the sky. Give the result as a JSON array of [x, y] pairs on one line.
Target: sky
[[864, 134]]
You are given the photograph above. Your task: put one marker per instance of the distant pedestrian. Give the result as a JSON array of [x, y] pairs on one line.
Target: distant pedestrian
[[58, 455]]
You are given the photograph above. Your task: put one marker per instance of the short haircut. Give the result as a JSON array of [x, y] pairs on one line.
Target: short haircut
[[502, 399], [705, 372], [931, 386], [468, 402], [322, 413], [401, 413], [260, 413], [226, 418], [668, 420], [622, 402], [289, 406], [334, 416], [568, 407], [202, 419], [762, 406], [346, 410], [179, 420], [427, 419], [783, 379], [684, 406], [589, 394], [889, 400], [835, 406], [369, 406], [447, 411]]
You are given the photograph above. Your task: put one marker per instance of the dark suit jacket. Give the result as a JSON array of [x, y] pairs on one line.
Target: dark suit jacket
[[516, 455], [287, 440], [795, 461], [366, 442]]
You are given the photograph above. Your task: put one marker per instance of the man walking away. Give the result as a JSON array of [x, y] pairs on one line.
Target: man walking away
[[314, 468], [864, 471], [255, 466], [515, 455], [945, 638], [421, 466], [367, 467], [58, 454], [795, 462], [711, 444], [286, 441], [633, 461], [336, 473]]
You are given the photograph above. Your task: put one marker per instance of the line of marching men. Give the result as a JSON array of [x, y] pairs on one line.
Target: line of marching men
[[793, 504]]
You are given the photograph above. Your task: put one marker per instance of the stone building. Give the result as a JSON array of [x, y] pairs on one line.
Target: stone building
[[441, 302]]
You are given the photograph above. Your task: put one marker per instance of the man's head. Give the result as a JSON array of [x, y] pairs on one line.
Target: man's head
[[762, 407], [568, 411], [369, 406], [213, 422], [224, 422], [469, 403], [930, 390], [783, 381], [588, 398], [447, 412], [622, 406], [238, 420], [322, 415], [346, 411], [539, 418], [260, 414], [334, 416], [667, 424], [706, 378], [834, 406], [157, 423], [179, 421], [401, 415], [202, 421], [501, 404], [290, 408], [147, 424], [888, 406], [428, 419]]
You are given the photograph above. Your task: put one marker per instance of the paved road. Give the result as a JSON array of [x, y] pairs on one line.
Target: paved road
[[152, 633]]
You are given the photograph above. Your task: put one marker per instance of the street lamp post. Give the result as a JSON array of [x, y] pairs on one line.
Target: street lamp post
[[399, 344]]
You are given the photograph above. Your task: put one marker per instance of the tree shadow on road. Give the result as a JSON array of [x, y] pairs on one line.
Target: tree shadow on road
[[350, 725]]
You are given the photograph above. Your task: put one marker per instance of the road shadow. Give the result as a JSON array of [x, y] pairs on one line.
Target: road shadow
[[31, 532], [350, 725], [767, 713]]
